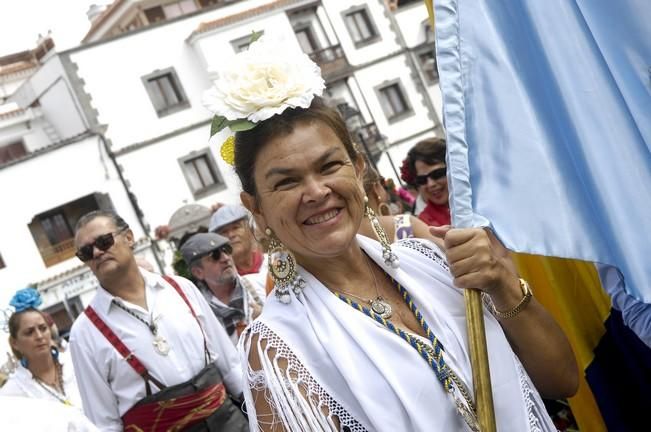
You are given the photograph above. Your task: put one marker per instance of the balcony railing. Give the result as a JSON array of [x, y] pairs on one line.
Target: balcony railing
[[372, 141], [59, 252], [332, 62]]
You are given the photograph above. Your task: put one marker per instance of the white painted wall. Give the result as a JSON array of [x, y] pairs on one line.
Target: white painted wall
[[386, 71], [51, 87], [410, 21], [367, 53], [215, 47], [161, 187], [42, 183]]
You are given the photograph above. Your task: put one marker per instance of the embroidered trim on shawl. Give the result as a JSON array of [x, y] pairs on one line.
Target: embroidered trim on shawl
[[529, 396], [296, 398], [427, 251]]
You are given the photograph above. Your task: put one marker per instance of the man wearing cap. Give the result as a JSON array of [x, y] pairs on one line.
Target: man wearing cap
[[148, 352], [231, 221], [233, 298]]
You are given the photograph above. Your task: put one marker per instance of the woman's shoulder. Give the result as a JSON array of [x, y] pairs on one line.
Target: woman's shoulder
[[13, 387]]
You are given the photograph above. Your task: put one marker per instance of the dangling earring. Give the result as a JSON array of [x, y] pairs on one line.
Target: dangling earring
[[282, 267], [55, 353], [384, 209], [390, 258], [23, 362]]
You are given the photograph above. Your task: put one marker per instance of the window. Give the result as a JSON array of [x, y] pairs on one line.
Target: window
[[394, 101], [56, 228], [177, 9], [206, 3], [155, 14], [242, 43], [201, 173], [52, 229], [402, 3], [360, 26], [430, 37], [12, 151], [427, 61], [306, 39], [165, 92]]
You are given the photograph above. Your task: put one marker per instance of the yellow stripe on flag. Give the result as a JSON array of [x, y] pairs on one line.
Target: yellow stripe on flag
[[571, 291]]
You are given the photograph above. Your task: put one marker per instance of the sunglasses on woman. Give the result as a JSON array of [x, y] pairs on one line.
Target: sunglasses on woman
[[435, 174], [103, 243]]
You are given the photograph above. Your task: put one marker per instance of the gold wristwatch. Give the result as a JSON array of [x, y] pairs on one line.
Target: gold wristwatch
[[527, 294]]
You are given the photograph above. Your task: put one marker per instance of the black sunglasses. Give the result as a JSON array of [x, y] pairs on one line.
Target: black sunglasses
[[103, 243], [435, 174], [217, 253]]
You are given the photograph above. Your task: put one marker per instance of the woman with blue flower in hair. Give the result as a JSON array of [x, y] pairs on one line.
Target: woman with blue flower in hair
[[42, 372]]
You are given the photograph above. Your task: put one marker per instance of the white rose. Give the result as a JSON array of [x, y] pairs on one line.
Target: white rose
[[263, 81]]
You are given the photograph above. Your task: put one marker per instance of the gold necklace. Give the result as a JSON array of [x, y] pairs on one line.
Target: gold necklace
[[59, 390], [378, 305]]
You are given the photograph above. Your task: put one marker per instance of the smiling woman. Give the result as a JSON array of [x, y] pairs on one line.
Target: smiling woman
[[353, 319]]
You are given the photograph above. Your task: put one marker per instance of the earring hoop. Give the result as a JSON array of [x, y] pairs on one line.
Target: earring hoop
[[384, 209]]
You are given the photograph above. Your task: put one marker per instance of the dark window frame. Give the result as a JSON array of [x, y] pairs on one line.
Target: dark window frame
[[12, 150], [310, 35], [49, 225], [153, 83], [431, 77], [218, 183], [242, 43], [370, 24], [389, 111]]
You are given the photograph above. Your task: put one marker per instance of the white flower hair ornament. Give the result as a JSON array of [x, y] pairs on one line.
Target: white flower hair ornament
[[257, 84]]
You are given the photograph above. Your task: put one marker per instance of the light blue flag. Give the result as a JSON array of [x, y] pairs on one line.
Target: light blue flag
[[547, 107]]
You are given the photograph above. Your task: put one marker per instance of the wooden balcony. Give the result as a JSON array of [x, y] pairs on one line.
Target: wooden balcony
[[59, 252], [332, 61]]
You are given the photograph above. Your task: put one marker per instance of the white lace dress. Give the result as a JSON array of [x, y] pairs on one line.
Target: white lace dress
[[317, 364]]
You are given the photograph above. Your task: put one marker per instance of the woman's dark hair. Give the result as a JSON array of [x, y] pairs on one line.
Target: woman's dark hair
[[249, 143], [14, 325], [430, 151], [371, 176]]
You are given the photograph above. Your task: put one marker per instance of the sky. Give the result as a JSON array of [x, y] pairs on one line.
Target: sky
[[21, 21]]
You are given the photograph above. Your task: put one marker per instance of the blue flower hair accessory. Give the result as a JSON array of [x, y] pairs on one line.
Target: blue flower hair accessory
[[26, 298]]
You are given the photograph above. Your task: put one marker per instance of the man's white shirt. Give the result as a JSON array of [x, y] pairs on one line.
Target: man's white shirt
[[108, 384]]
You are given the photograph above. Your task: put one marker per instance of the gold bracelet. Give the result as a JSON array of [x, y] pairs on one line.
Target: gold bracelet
[[526, 291]]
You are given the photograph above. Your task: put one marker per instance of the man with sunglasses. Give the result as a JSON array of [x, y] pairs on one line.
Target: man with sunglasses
[[427, 171], [148, 351], [231, 221], [233, 298]]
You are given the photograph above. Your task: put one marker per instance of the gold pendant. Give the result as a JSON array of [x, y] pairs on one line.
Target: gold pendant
[[381, 307], [160, 345]]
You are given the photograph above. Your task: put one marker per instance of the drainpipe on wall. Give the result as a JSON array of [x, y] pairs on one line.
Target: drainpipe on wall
[[131, 196]]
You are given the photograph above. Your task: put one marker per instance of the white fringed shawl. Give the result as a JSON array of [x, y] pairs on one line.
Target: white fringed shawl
[[325, 366]]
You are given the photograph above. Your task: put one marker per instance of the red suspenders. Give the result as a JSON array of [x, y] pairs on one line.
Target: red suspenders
[[133, 361]]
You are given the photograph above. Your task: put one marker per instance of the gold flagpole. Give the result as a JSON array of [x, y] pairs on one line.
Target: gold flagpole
[[476, 337], [479, 360]]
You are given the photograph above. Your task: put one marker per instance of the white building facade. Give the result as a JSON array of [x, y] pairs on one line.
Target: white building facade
[[129, 131]]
